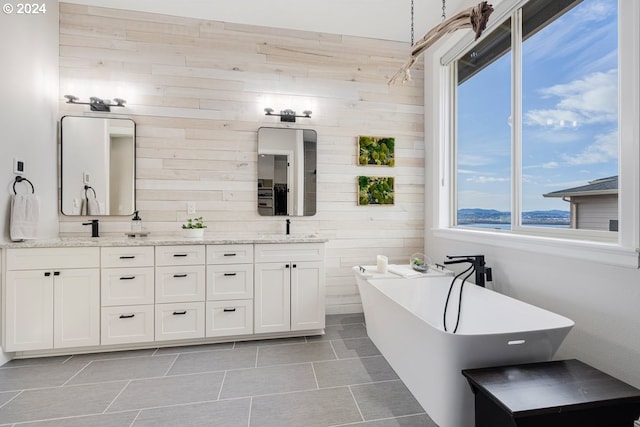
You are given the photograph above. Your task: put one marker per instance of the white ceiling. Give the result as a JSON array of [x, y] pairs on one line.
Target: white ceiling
[[380, 19]]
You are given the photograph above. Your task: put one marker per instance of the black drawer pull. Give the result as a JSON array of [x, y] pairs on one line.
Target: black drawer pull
[[56, 273], [229, 310], [127, 277], [229, 255], [230, 274], [127, 257], [179, 313], [294, 266], [47, 273], [286, 266], [180, 275], [127, 316], [179, 255]]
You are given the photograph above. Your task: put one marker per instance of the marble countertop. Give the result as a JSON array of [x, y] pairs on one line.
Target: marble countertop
[[151, 240]]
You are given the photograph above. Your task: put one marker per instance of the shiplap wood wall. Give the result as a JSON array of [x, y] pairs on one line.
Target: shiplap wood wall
[[197, 89]]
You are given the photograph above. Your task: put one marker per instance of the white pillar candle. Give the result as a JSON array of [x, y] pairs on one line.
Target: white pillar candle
[[382, 264]]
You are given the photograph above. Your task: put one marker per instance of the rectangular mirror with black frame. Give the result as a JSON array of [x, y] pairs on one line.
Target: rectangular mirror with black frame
[[98, 166], [287, 161]]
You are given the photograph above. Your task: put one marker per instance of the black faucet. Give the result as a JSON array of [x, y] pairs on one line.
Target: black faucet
[[478, 266], [288, 226], [94, 227]]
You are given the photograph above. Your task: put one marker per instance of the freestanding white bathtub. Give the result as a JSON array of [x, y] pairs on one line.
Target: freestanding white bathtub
[[404, 319]]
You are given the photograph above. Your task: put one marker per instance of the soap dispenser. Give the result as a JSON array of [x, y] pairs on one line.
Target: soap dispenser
[[136, 223]]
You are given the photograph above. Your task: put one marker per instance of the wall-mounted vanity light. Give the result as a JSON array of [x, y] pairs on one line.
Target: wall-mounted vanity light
[[287, 115], [96, 103]]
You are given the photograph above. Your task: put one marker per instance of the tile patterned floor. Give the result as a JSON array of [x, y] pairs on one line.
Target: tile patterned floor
[[338, 379]]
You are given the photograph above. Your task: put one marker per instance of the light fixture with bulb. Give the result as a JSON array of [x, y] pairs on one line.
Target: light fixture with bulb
[[287, 115], [97, 104]]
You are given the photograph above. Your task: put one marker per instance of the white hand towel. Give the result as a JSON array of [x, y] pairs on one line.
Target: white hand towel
[[25, 213], [93, 206], [404, 271]]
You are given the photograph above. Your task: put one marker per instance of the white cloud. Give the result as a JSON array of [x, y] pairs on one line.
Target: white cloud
[[603, 149], [551, 165], [482, 179], [473, 160], [592, 99]]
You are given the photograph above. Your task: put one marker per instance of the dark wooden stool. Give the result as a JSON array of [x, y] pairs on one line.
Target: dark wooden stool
[[563, 393]]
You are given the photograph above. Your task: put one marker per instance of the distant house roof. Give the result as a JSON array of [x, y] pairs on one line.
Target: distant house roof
[[596, 187]]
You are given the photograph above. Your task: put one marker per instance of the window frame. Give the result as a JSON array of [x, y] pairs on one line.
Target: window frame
[[616, 248]]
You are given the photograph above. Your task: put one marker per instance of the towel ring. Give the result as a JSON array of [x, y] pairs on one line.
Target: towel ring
[[87, 187], [20, 179]]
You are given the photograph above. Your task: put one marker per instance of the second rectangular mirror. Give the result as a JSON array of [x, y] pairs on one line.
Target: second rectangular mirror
[[286, 171]]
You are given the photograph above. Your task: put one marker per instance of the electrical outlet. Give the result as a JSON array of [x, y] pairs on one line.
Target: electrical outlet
[[191, 207], [86, 178]]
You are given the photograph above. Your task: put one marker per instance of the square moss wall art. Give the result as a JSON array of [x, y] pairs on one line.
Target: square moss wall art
[[375, 190], [376, 151]]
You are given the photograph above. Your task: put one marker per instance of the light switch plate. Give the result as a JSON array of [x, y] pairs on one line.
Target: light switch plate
[[191, 207], [18, 166]]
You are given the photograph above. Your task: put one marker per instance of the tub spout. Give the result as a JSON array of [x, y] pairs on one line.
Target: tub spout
[[481, 270]]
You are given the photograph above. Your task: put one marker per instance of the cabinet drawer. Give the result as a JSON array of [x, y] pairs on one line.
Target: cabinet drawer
[[180, 255], [180, 283], [228, 282], [124, 325], [46, 258], [130, 256], [229, 318], [285, 252], [179, 321], [229, 254], [127, 286]]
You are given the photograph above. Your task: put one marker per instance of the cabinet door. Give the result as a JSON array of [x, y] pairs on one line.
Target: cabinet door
[[272, 297], [29, 310], [76, 320], [307, 296]]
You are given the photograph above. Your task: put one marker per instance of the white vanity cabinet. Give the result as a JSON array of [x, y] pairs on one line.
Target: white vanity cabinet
[[180, 292], [52, 298], [229, 290], [127, 291], [289, 287]]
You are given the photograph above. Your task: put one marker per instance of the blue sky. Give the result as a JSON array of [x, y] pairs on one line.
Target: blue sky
[[569, 114]]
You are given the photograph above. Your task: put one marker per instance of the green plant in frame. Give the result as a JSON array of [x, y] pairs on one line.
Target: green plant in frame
[[379, 151], [375, 190]]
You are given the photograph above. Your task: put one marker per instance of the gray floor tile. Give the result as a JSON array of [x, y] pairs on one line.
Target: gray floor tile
[[36, 361], [355, 347], [275, 341], [343, 319], [410, 421], [385, 399], [121, 369], [227, 413], [353, 371], [309, 408], [273, 379], [166, 391], [193, 348], [120, 419], [341, 332], [42, 404], [112, 355], [295, 353], [7, 396], [27, 377], [209, 361]]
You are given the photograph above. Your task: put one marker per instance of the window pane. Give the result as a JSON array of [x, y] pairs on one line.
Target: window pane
[[483, 133], [570, 114]]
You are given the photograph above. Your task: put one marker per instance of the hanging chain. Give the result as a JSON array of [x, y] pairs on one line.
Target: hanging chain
[[411, 22], [444, 10]]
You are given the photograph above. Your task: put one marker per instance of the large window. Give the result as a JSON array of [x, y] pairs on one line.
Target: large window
[[536, 123]]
